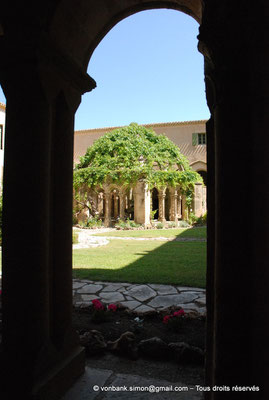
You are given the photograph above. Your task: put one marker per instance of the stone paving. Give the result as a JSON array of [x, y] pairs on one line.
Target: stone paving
[[86, 240], [104, 384], [139, 298]]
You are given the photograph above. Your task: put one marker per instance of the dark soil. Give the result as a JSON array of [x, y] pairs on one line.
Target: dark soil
[[191, 332]]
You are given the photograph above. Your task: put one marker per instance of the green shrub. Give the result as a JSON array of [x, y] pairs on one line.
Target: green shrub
[[172, 224], [201, 220], [120, 224], [74, 237], [91, 223], [133, 224], [152, 214], [160, 225], [126, 225], [183, 224], [75, 219], [192, 218]]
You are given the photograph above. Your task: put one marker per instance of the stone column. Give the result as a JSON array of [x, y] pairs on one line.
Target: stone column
[[100, 203], [116, 205], [161, 197], [198, 200], [122, 204], [142, 203], [107, 218], [237, 93], [179, 212], [173, 205], [40, 346], [184, 208], [204, 200]]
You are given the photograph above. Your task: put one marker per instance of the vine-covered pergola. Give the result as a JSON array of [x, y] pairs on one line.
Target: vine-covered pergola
[[132, 171]]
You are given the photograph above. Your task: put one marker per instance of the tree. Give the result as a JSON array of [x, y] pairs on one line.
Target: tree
[[133, 152]]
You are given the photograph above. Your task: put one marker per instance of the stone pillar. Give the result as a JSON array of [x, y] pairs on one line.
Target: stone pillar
[[107, 218], [179, 212], [173, 205], [116, 205], [161, 198], [204, 200], [100, 203], [237, 92], [122, 204], [198, 200], [142, 203], [184, 209], [40, 347]]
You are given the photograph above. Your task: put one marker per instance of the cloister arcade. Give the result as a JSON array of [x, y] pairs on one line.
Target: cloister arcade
[[112, 203]]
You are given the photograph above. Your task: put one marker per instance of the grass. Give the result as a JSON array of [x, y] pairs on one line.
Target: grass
[[74, 237], [180, 263], [198, 233]]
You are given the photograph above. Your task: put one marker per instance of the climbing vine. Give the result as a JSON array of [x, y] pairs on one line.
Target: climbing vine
[[131, 153]]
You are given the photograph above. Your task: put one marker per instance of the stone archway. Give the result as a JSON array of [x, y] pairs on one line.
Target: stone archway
[[167, 205], [97, 18], [155, 203], [203, 175], [45, 52]]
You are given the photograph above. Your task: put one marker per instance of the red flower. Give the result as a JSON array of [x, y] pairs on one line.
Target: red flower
[[112, 307], [166, 319], [97, 304], [179, 313]]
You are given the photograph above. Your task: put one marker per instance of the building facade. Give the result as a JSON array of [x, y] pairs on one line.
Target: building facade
[[112, 202]]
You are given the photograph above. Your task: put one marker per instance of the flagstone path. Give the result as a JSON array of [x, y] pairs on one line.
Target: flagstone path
[[141, 298]]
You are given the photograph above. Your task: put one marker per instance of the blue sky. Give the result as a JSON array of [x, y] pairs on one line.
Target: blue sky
[[148, 70]]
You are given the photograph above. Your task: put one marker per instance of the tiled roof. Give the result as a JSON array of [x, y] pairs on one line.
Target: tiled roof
[[2, 106], [159, 124]]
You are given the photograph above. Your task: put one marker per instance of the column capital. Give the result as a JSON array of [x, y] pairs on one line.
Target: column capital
[[161, 194], [28, 63]]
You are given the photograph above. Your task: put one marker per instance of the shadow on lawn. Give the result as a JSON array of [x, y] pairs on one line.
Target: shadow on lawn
[[173, 262]]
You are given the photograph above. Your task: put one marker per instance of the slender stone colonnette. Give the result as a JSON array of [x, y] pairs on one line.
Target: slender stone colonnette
[[139, 298]]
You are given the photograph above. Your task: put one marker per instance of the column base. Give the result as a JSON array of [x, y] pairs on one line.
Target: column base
[[61, 377]]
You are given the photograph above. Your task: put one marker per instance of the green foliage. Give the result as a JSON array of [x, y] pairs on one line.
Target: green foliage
[[193, 220], [160, 225], [74, 237], [91, 223], [183, 224], [201, 220], [134, 152], [152, 214], [126, 225]]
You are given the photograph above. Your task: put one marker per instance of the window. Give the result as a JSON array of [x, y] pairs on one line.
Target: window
[[1, 137], [198, 138], [201, 138]]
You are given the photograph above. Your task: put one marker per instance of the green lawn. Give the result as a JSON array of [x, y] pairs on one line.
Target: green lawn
[[199, 233], [181, 263]]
